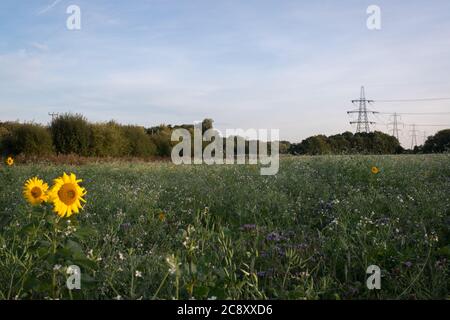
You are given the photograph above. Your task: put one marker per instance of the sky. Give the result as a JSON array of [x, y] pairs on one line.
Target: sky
[[284, 64]]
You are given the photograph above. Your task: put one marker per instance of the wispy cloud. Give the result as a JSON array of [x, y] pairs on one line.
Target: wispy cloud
[[39, 46], [48, 8]]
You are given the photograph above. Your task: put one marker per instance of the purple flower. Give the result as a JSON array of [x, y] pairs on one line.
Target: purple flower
[[261, 274], [273, 236], [266, 273], [408, 264], [280, 251]]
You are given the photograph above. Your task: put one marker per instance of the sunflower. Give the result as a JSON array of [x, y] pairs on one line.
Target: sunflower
[[67, 195], [35, 191], [375, 170], [9, 161]]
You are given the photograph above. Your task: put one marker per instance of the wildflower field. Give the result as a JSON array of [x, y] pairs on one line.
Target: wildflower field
[[160, 231]]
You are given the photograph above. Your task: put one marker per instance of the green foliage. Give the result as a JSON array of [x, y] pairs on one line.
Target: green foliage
[[71, 134], [438, 143], [284, 147], [161, 137], [347, 143], [6, 137], [308, 233], [107, 140], [27, 139], [138, 142]]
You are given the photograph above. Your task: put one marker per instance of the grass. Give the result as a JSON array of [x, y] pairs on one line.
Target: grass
[[159, 231]]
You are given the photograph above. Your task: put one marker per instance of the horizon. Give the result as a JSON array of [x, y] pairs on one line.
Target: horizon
[[288, 65]]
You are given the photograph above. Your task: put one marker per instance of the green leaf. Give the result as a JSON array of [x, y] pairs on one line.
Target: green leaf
[[85, 233], [73, 247]]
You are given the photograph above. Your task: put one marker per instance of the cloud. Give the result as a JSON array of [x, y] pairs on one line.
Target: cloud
[[49, 7], [39, 46]]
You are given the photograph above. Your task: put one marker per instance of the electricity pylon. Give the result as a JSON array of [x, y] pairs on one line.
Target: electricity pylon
[[413, 136], [394, 124], [363, 123]]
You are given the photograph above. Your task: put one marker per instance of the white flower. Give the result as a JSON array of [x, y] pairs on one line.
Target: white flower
[[56, 267], [138, 274], [121, 257], [304, 274], [173, 263]]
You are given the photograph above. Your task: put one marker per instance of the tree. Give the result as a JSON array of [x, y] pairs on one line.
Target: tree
[[139, 143], [316, 145], [71, 134], [438, 143], [347, 143], [207, 124], [107, 140]]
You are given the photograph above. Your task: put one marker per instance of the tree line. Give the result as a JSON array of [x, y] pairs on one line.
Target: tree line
[[348, 143], [73, 134]]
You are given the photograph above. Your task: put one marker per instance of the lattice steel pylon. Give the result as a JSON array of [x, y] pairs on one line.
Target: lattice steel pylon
[[363, 123], [413, 136], [394, 124]]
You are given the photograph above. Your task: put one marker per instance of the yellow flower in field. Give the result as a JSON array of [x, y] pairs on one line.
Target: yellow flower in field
[[375, 170], [35, 191], [162, 217], [10, 161], [67, 195]]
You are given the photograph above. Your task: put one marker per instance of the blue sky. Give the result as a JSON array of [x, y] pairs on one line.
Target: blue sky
[[291, 65]]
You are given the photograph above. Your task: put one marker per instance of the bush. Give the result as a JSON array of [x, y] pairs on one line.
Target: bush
[[71, 134], [138, 142], [162, 141], [4, 134], [31, 140], [107, 140]]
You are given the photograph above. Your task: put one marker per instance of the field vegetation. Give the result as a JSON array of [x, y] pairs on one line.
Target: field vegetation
[[160, 231]]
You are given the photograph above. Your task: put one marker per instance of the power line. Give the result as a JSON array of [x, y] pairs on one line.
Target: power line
[[414, 113], [432, 125], [363, 123], [413, 100], [413, 137], [395, 124], [392, 123]]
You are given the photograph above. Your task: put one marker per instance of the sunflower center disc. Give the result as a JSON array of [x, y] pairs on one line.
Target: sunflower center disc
[[67, 194], [36, 192]]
